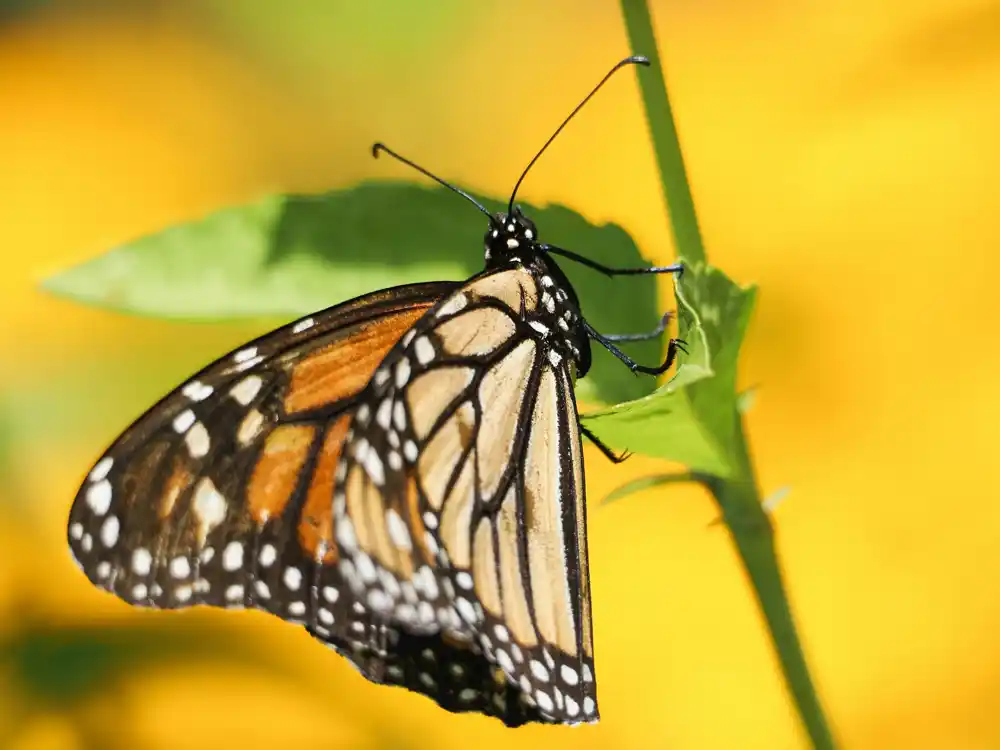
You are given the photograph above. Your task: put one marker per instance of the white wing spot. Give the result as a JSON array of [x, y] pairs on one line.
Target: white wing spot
[[572, 707], [249, 364], [232, 556], [425, 612], [395, 460], [325, 616], [250, 427], [101, 469], [539, 671], [183, 421], [209, 507], [245, 355], [103, 569], [424, 350], [99, 497], [330, 594], [373, 465], [262, 590], [109, 531], [180, 567], [297, 609], [362, 414], [453, 305], [588, 705], [410, 451], [398, 532], [139, 591], [206, 555], [346, 536], [399, 415], [142, 561], [504, 660], [402, 372], [569, 674], [543, 699], [268, 554], [197, 391], [197, 440], [234, 592], [501, 633], [366, 568], [466, 610], [554, 357], [183, 593], [247, 389], [303, 325], [425, 583], [293, 578], [87, 543], [384, 414], [379, 600], [539, 326], [76, 531]]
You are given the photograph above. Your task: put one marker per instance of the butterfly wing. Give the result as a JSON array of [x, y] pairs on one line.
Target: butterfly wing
[[221, 493], [462, 502]]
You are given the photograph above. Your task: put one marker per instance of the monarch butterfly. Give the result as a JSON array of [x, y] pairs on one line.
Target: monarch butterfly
[[401, 473]]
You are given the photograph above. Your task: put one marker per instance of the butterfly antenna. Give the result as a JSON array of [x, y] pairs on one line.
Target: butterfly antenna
[[634, 60], [377, 147]]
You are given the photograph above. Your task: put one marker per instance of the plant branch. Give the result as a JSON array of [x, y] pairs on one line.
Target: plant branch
[[737, 497]]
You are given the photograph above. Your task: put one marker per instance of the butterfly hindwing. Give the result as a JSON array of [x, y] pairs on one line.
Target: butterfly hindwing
[[462, 508]]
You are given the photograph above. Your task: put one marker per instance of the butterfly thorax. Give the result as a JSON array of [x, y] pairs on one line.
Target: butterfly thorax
[[512, 242]]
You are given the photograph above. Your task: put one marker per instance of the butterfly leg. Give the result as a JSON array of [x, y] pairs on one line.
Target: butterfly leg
[[677, 268], [673, 347], [655, 333], [613, 457]]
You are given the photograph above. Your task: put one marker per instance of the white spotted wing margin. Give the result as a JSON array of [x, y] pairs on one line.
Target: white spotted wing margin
[[463, 505]]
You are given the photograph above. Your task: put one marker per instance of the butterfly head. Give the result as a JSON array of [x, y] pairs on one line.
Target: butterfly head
[[510, 236]]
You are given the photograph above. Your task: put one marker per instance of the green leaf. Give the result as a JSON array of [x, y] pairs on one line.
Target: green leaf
[[690, 418], [647, 483], [59, 665], [290, 255]]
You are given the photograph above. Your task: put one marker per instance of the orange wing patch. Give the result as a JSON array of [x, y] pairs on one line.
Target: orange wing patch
[[277, 470], [343, 368], [316, 523]]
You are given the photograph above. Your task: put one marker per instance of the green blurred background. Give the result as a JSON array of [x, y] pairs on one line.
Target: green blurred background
[[843, 156]]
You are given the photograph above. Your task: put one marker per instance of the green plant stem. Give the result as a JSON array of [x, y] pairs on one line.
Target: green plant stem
[[752, 533], [666, 144], [738, 497]]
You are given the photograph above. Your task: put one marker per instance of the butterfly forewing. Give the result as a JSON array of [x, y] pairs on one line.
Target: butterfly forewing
[[462, 506], [220, 494]]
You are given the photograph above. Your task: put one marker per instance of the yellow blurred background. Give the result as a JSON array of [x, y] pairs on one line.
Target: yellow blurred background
[[843, 156]]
